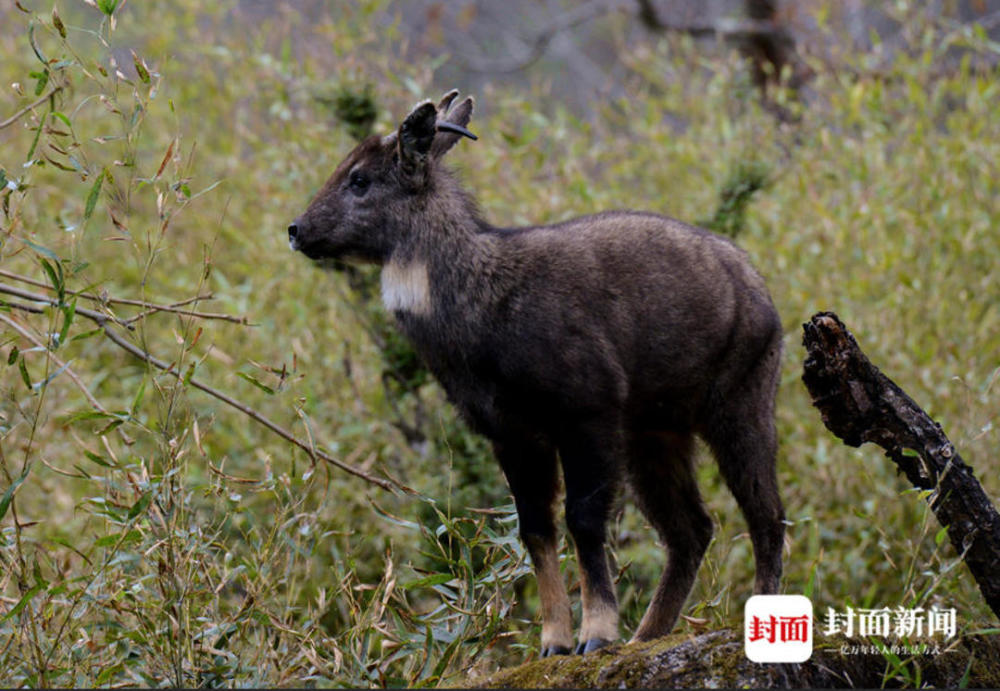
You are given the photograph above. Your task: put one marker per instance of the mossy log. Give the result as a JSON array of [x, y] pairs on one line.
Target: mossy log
[[859, 403], [717, 660]]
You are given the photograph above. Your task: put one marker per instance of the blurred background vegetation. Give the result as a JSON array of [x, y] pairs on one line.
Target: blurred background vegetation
[[151, 157]]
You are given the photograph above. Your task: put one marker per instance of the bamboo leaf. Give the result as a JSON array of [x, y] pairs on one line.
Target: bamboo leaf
[[91, 415], [25, 377], [394, 519], [87, 334], [432, 580], [55, 274], [140, 68], [60, 166], [34, 142], [22, 603], [107, 540], [445, 658], [8, 496], [42, 79], [110, 427], [34, 45], [36, 571], [141, 505], [99, 460], [108, 672], [69, 311], [42, 250], [138, 397], [107, 6], [253, 380], [95, 192], [62, 116]]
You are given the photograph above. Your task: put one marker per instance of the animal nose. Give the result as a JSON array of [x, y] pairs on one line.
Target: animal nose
[[293, 236]]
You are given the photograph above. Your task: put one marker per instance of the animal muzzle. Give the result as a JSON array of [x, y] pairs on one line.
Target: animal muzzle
[[302, 237], [293, 236]]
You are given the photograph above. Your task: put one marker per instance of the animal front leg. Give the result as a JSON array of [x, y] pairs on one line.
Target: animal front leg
[[532, 473], [591, 460], [600, 605], [557, 619]]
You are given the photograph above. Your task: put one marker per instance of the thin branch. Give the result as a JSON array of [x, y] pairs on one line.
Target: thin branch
[[23, 308], [82, 311], [59, 363], [153, 309], [246, 410], [150, 307], [105, 322], [17, 116]]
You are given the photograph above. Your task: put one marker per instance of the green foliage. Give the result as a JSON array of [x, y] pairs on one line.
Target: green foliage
[[354, 108], [735, 196], [151, 536]]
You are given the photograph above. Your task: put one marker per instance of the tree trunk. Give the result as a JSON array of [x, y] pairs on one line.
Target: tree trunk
[[769, 51], [859, 403]]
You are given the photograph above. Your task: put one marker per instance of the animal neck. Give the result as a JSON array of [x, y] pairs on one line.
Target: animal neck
[[446, 270]]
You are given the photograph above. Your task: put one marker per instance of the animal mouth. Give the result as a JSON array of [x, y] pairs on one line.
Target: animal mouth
[[313, 250]]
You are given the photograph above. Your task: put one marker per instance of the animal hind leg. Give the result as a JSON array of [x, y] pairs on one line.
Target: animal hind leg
[[532, 473], [661, 475], [742, 435]]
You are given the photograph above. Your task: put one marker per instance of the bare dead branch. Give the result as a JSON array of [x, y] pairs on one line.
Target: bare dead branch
[[82, 311], [151, 308], [22, 307], [860, 404], [17, 116]]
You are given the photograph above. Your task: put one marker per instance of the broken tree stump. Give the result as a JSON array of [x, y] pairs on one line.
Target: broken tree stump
[[859, 403]]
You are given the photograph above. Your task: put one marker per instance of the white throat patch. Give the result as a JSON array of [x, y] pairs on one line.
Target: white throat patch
[[405, 287]]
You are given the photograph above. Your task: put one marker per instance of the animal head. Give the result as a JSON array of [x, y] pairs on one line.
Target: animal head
[[362, 210]]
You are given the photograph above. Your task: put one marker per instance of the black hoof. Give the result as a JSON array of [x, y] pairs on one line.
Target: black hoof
[[590, 646], [555, 650]]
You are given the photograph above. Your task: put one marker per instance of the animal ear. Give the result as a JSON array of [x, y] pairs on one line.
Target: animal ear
[[445, 103], [452, 122], [413, 142], [429, 132]]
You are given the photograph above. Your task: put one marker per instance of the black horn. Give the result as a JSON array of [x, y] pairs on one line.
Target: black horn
[[445, 126]]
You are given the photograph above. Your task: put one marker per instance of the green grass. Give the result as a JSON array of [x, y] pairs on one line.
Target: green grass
[[174, 541]]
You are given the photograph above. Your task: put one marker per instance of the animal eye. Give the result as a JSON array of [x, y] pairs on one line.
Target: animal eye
[[359, 183]]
